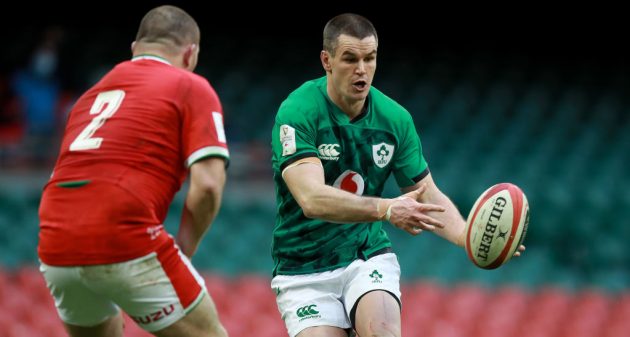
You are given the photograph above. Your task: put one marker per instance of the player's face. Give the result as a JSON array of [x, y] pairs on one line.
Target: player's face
[[352, 67]]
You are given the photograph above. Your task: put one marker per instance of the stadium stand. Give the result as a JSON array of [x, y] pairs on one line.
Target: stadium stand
[[562, 134]]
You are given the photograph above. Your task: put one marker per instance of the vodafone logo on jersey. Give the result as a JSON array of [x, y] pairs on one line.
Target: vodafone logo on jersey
[[350, 181]]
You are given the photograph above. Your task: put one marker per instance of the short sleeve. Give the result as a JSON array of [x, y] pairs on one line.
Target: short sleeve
[[294, 134], [202, 130], [409, 165]]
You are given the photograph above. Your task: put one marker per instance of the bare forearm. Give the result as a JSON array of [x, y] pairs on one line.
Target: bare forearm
[[335, 205], [202, 203], [451, 218], [199, 211], [202, 206], [318, 200]]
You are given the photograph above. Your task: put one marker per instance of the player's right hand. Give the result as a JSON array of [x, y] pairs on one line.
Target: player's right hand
[[412, 216]]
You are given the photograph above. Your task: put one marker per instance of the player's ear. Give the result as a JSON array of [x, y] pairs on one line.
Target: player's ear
[[133, 45], [324, 56], [190, 56]]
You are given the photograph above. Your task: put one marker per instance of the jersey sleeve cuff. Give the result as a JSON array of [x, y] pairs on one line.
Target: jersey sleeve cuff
[[421, 175], [208, 151], [296, 158]]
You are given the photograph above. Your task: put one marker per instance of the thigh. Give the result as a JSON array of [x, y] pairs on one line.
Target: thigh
[[380, 274], [312, 300], [201, 321], [112, 327], [378, 314], [156, 290], [76, 303], [323, 331]]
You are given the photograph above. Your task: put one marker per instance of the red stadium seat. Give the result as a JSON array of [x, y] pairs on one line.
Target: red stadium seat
[[4, 281], [257, 290], [618, 323], [587, 316], [462, 306], [502, 313], [533, 330], [235, 325], [220, 291], [444, 328], [17, 303], [18, 329], [267, 326], [421, 304]]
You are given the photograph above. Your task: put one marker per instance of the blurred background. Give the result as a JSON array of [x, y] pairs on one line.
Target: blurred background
[[538, 98]]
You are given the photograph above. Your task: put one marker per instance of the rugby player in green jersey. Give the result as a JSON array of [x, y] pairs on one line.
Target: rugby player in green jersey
[[336, 140]]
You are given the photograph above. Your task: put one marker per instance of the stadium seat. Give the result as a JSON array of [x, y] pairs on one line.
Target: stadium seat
[[267, 326], [219, 290], [461, 307], [548, 315], [421, 303], [588, 314]]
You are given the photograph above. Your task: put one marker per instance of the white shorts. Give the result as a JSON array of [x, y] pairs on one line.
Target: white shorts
[[154, 290], [327, 298]]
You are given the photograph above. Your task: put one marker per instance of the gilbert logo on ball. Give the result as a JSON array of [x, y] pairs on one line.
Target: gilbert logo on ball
[[496, 225]]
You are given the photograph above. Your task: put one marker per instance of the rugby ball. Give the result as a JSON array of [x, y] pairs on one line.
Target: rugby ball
[[496, 225]]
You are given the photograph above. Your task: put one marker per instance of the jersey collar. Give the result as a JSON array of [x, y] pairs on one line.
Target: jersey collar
[[150, 57], [342, 116]]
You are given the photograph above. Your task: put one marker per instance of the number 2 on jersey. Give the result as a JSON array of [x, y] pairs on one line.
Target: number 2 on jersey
[[105, 105]]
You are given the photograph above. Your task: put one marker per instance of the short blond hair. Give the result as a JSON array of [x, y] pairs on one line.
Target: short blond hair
[[168, 25]]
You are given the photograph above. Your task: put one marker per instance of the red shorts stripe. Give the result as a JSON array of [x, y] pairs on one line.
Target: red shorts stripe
[[185, 279]]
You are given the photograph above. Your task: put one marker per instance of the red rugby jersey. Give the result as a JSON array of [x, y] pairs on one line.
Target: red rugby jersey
[[126, 150]]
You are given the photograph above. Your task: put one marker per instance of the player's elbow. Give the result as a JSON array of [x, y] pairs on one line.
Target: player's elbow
[[310, 208], [208, 185], [309, 211], [211, 187], [208, 176], [311, 200]]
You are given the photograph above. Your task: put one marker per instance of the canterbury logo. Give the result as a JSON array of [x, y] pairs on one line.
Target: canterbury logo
[[307, 310], [329, 151]]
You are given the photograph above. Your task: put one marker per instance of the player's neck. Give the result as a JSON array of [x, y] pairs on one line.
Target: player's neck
[[155, 51], [352, 108]]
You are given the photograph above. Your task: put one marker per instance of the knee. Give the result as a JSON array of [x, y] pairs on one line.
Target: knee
[[380, 328]]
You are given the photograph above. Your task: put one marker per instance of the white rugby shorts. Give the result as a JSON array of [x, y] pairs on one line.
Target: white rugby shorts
[[155, 290], [327, 298]]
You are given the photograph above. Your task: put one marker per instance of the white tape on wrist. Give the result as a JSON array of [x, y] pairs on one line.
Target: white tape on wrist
[[388, 214]]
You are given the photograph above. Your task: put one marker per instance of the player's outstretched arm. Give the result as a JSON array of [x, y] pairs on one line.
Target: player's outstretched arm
[[318, 200], [207, 178], [454, 224], [409, 214]]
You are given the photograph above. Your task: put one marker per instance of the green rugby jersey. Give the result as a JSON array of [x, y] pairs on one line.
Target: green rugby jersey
[[358, 156]]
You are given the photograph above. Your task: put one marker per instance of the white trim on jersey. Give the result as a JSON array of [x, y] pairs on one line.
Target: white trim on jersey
[[207, 151], [150, 57]]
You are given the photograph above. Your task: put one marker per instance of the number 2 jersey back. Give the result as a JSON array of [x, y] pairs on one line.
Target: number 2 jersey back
[[126, 150]]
